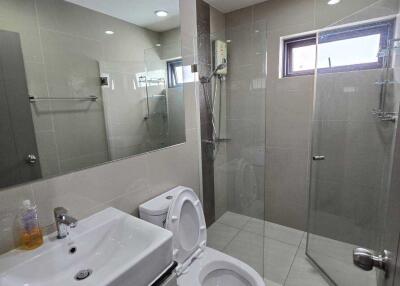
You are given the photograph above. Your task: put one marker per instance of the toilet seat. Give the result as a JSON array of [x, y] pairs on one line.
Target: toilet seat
[[186, 221], [198, 265]]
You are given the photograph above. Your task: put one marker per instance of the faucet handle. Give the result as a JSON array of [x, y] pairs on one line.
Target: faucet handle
[[73, 222], [63, 222]]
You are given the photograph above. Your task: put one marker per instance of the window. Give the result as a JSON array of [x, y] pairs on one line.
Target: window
[[175, 73], [300, 55], [347, 49]]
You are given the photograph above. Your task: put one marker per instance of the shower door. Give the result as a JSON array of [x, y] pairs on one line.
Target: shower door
[[234, 109], [354, 178]]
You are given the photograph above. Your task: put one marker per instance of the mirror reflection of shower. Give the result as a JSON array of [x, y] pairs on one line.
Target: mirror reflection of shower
[[211, 96]]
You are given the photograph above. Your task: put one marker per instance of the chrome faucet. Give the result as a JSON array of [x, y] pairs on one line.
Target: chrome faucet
[[63, 222]]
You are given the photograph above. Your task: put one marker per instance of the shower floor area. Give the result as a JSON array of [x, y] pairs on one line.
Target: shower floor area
[[282, 261]]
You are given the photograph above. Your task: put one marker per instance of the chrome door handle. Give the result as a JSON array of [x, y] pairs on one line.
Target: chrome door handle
[[367, 259], [318, 158]]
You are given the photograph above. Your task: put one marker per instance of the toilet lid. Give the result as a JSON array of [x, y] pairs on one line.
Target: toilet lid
[[186, 221]]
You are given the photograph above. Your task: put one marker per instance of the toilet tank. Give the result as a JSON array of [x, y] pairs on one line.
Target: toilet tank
[[155, 211]]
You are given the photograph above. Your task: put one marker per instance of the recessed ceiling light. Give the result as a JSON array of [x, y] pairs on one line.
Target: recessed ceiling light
[[109, 32], [161, 13], [333, 2], [228, 41], [158, 45]]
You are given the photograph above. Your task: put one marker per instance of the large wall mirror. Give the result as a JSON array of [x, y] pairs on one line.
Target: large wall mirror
[[84, 82]]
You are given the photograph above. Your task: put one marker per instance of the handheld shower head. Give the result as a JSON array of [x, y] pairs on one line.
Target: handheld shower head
[[220, 67], [214, 73]]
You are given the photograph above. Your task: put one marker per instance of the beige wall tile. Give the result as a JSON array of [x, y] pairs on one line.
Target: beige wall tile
[[123, 184]]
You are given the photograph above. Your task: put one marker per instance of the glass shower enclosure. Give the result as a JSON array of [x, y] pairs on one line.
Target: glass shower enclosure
[[353, 144], [234, 94]]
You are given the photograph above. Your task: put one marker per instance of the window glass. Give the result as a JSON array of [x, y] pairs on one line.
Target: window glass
[[300, 56], [346, 49], [179, 74], [353, 51], [303, 58], [175, 73]]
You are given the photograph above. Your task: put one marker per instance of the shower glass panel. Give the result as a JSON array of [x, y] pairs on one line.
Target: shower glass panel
[[355, 111], [235, 97]]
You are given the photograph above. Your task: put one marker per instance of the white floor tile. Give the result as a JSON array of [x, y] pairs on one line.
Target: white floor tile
[[333, 248], [255, 226], [336, 257], [248, 247], [283, 233], [303, 243], [276, 252], [219, 235], [345, 273], [278, 258], [270, 283], [233, 219], [303, 273]]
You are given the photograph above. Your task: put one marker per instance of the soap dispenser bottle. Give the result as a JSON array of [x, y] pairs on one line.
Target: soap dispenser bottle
[[31, 234]]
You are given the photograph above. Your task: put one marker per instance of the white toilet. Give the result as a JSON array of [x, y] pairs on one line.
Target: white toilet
[[180, 211]]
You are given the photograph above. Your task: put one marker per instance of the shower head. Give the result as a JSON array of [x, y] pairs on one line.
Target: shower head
[[214, 73], [220, 67]]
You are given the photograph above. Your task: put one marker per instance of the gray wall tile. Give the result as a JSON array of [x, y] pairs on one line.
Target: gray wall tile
[[289, 105]]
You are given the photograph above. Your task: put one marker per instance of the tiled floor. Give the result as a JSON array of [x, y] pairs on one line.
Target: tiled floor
[[275, 251], [336, 257]]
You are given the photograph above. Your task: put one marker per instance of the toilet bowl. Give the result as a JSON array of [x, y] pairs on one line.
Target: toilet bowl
[[181, 212], [214, 268]]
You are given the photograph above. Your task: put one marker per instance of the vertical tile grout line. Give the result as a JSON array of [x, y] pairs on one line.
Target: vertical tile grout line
[[294, 258], [240, 230], [224, 249], [46, 77], [263, 245]]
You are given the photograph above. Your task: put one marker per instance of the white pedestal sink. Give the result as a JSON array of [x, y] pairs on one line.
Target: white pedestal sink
[[115, 248]]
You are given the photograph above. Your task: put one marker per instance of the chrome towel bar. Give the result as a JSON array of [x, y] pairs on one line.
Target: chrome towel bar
[[89, 98]]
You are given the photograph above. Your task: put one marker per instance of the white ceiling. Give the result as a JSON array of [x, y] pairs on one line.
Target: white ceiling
[[227, 6], [138, 12]]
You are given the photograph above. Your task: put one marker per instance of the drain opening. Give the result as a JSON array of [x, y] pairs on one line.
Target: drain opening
[[72, 250], [83, 274]]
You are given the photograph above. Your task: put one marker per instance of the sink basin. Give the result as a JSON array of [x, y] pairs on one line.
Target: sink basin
[[110, 248]]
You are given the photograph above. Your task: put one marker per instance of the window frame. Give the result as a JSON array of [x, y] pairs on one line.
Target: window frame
[[384, 28], [171, 72], [289, 45]]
